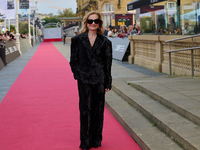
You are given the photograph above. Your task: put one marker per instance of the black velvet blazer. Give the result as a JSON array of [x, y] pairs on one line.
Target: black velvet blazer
[[91, 65]]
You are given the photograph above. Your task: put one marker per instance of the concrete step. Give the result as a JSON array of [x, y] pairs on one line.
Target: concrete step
[[183, 131], [147, 135], [176, 101]]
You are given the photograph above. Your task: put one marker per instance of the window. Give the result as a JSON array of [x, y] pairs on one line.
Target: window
[[107, 11], [108, 7]]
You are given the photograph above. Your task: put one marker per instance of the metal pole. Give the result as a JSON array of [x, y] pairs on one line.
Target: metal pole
[[192, 59], [170, 65], [170, 61], [192, 62], [9, 24], [33, 26], [36, 33], [5, 24], [17, 28], [29, 27]]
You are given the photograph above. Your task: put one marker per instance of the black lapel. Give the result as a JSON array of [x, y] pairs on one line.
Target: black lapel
[[84, 39], [98, 42]]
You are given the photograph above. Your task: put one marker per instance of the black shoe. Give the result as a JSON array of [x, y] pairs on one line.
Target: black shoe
[[84, 148], [96, 144]]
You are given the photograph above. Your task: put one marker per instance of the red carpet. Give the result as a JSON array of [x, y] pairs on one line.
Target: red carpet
[[40, 111]]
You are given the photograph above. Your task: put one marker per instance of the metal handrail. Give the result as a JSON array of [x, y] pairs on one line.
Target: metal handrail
[[187, 37], [192, 48]]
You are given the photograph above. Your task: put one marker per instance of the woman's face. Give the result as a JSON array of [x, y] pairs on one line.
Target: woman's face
[[130, 28], [93, 26]]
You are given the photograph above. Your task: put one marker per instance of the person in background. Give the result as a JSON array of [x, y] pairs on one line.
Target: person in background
[[105, 33], [12, 36], [22, 36], [139, 30], [114, 31], [131, 31], [121, 29], [109, 32], [64, 37], [1, 38], [123, 33]]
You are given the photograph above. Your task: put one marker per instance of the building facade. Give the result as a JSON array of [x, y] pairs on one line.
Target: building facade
[[114, 12], [167, 16]]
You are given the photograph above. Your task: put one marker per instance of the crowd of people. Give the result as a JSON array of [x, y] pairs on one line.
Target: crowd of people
[[123, 31], [167, 31], [8, 36]]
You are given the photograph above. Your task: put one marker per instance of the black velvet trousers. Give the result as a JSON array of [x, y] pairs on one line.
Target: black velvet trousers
[[91, 106]]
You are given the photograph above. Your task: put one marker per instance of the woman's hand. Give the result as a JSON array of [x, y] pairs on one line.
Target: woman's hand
[[106, 90]]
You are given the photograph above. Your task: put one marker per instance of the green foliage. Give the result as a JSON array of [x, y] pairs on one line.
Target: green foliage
[[1, 20], [12, 28], [50, 19], [23, 28], [66, 13], [143, 22]]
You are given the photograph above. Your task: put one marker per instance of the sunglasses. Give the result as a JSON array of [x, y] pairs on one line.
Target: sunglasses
[[96, 21]]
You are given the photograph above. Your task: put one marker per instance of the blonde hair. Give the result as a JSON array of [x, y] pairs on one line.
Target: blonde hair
[[84, 29]]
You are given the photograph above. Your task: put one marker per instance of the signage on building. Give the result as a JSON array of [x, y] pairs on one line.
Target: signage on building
[[123, 19], [141, 3], [153, 1], [146, 9], [10, 4], [23, 4]]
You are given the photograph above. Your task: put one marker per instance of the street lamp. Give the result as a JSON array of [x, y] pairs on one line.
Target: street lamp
[[29, 27], [17, 28], [118, 5], [33, 23]]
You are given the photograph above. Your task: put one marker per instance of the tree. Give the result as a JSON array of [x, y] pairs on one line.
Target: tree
[[23, 28], [66, 13], [51, 15], [50, 19], [12, 28], [1, 20]]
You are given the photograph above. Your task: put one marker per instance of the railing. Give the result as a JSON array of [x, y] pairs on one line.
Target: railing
[[185, 49]]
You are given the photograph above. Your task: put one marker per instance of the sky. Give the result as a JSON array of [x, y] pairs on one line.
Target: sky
[[44, 9]]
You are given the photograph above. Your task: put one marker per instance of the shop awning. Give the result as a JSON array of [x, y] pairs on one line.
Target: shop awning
[[140, 3]]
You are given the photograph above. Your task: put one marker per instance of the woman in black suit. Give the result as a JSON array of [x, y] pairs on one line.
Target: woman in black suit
[[91, 60]]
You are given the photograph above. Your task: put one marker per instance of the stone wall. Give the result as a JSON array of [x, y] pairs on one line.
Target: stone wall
[[150, 51]]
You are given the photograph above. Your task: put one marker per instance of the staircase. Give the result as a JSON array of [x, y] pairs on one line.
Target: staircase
[[157, 117]]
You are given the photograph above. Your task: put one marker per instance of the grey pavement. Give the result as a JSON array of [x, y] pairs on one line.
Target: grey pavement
[[9, 73]]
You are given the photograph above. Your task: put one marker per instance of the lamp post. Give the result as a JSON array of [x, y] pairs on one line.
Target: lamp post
[[33, 23], [29, 27], [119, 5], [17, 28], [5, 23]]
